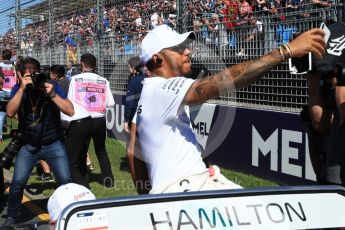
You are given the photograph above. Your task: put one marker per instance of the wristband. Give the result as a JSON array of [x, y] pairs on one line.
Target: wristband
[[288, 49], [284, 55]]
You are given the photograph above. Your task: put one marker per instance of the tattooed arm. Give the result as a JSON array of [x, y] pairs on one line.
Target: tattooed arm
[[243, 74]]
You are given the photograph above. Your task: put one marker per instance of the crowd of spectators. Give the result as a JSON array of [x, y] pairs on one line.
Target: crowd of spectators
[[137, 17]]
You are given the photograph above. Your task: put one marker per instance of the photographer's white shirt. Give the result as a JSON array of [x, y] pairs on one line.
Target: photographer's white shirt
[[169, 146], [90, 95]]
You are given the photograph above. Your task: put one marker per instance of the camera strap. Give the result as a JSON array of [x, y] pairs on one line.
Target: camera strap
[[34, 108]]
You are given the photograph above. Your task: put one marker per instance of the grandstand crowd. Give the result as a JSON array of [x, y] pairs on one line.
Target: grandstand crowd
[[137, 18]]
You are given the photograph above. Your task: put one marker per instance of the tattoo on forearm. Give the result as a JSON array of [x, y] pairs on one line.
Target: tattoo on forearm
[[232, 78]]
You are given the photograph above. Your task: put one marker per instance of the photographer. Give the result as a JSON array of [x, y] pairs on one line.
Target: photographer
[[38, 103]]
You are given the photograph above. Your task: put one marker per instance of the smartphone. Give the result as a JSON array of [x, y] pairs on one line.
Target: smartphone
[[326, 30]]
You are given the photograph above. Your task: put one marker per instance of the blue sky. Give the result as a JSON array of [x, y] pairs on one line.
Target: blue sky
[[7, 7]]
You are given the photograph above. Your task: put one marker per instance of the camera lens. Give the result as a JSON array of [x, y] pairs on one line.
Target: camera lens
[[11, 151]]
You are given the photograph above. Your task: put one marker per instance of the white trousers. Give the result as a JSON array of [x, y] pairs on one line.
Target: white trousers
[[211, 179]]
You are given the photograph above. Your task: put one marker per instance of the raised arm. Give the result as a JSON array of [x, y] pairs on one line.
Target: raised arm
[[64, 105], [243, 74]]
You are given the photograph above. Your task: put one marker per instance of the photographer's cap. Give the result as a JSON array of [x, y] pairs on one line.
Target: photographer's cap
[[66, 195], [162, 37]]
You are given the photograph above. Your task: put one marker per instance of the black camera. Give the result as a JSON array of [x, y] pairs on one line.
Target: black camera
[[11, 150], [38, 79]]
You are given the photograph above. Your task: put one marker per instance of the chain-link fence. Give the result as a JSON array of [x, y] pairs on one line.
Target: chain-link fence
[[8, 25], [227, 32]]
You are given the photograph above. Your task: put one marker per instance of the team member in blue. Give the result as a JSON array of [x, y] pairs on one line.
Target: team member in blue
[[38, 108], [135, 85]]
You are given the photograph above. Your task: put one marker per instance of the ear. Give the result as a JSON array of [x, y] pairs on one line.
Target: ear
[[157, 59]]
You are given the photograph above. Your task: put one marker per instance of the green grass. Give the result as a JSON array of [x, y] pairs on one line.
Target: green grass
[[124, 185]]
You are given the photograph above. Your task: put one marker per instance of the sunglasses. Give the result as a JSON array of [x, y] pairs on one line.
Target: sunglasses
[[179, 48]]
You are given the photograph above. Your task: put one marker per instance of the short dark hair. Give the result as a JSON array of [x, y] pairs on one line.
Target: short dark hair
[[6, 54], [59, 70], [135, 63], [89, 60], [33, 61]]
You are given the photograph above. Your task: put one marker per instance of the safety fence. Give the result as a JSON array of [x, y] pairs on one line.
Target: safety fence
[[227, 32]]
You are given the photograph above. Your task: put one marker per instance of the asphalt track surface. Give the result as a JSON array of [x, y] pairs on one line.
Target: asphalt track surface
[[34, 203]]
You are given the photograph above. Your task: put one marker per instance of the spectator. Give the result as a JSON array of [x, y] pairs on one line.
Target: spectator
[[230, 12], [255, 38], [260, 6], [218, 32], [169, 20], [245, 13], [204, 30], [154, 20]]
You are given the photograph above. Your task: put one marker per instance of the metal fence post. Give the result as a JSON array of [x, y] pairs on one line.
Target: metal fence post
[[18, 23], [99, 37], [50, 34], [179, 16]]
